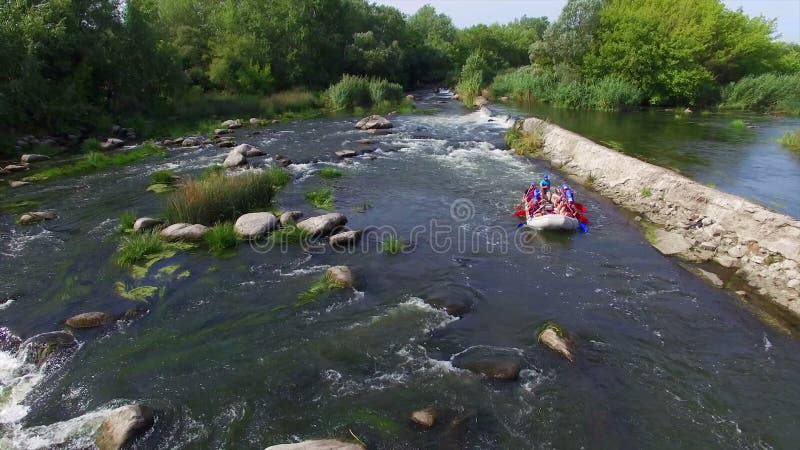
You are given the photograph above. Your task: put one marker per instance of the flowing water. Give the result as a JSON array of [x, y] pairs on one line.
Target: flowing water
[[229, 359], [746, 160]]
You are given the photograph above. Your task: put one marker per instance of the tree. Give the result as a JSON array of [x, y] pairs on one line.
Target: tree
[[569, 38]]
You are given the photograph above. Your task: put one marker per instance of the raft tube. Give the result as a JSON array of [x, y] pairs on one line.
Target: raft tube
[[553, 222]]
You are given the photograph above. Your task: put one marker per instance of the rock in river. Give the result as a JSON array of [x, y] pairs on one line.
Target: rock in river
[[122, 425], [48, 346], [33, 157], [232, 124], [326, 444], [256, 224], [551, 339], [17, 183], [425, 417], [323, 224], [35, 217], [184, 231], [344, 238], [341, 276], [494, 363], [234, 159], [243, 149], [146, 223], [374, 122], [345, 153], [112, 143], [89, 320], [290, 217]]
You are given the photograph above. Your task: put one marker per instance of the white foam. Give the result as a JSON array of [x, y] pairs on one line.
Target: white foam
[[17, 379], [6, 304], [18, 241], [767, 343], [302, 271], [77, 433]]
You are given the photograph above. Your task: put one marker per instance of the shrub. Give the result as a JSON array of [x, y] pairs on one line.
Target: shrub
[[768, 92], [381, 91], [321, 198], [525, 144], [137, 247], [221, 237], [613, 93], [220, 198], [791, 140], [526, 84], [126, 220], [349, 92], [96, 161], [330, 173]]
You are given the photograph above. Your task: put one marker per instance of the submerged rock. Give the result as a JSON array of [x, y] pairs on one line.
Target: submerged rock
[[36, 216], [89, 320], [425, 417], [46, 347], [184, 231], [257, 224], [234, 159], [146, 223], [551, 339], [33, 157], [345, 153], [374, 122], [122, 425], [324, 224], [341, 276], [455, 300], [15, 167], [290, 217], [326, 444], [497, 364], [345, 238]]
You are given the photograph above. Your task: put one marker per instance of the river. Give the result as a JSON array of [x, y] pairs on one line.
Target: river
[[228, 359], [705, 146]]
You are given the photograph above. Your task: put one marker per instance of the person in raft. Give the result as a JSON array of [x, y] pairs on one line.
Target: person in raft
[[544, 186], [566, 201]]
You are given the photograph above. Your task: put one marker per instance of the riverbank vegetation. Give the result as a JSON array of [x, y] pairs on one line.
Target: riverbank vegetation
[[791, 140], [96, 161], [219, 198]]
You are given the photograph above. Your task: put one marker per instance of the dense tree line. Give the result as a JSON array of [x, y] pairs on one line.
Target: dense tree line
[[69, 62]]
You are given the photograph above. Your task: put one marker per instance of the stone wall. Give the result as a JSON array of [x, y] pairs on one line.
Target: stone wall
[[693, 221]]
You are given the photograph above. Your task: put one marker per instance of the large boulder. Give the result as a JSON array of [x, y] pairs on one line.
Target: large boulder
[[345, 238], [146, 223], [191, 141], [89, 320], [290, 217], [232, 124], [243, 149], [341, 276], [257, 224], [33, 157], [325, 444], [111, 144], [494, 363], [35, 217], [184, 232], [46, 347], [234, 159], [324, 224], [552, 340], [15, 167], [374, 122], [122, 425]]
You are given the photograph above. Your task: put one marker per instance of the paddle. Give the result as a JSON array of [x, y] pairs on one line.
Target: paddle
[[580, 207]]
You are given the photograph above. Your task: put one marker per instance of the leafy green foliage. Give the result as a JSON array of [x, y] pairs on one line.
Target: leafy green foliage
[[96, 161], [221, 237], [768, 92], [220, 198], [321, 198], [357, 91]]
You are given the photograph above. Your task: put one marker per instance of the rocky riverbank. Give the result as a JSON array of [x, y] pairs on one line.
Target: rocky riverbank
[[687, 219]]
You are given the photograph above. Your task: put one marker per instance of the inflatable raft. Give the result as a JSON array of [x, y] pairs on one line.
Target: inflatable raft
[[553, 222]]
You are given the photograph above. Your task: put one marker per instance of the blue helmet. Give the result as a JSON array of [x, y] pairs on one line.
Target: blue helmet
[[564, 186], [546, 177]]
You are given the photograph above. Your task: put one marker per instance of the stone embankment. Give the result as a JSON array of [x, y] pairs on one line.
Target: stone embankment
[[692, 221]]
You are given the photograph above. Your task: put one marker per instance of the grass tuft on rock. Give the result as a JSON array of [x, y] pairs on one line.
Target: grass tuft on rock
[[221, 198], [137, 247], [96, 161], [329, 173], [322, 285], [321, 198], [290, 234], [391, 245], [525, 144], [221, 237], [163, 177], [791, 140], [126, 220]]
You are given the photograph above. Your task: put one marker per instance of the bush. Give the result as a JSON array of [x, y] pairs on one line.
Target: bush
[[330, 173], [769, 92], [137, 247], [220, 198], [96, 161], [525, 144], [613, 93], [791, 140], [526, 84], [357, 91], [221, 237], [321, 198]]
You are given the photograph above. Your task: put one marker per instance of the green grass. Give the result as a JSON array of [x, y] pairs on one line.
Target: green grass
[[321, 198], [126, 220], [358, 91], [738, 124], [329, 173], [19, 206], [163, 177], [391, 245], [791, 140], [322, 285], [769, 92], [646, 192], [221, 237], [137, 247], [221, 198], [91, 145], [94, 162], [290, 234], [212, 171], [525, 144]]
